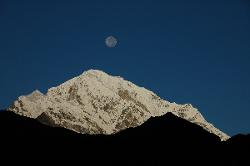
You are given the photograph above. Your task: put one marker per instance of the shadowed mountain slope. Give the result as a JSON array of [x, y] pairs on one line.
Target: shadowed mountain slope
[[159, 141]]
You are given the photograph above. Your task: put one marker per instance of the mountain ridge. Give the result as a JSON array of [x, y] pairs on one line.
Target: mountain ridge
[[98, 103], [167, 139]]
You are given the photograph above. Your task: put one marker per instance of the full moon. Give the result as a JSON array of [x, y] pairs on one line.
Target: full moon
[[111, 41]]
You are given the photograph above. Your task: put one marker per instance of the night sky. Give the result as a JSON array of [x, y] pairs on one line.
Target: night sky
[[185, 51]]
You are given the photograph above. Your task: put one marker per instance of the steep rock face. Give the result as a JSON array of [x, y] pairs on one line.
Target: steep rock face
[[97, 103]]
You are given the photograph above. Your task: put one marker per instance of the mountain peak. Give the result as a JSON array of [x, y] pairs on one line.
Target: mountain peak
[[98, 103], [94, 72]]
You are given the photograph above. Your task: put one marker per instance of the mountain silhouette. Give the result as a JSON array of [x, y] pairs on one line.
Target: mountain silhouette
[[159, 141]]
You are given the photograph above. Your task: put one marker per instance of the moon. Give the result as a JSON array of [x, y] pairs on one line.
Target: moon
[[111, 41]]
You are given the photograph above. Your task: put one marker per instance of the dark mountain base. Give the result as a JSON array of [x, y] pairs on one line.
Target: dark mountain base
[[166, 140]]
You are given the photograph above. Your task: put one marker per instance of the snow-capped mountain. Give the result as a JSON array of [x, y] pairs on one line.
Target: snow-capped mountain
[[97, 103]]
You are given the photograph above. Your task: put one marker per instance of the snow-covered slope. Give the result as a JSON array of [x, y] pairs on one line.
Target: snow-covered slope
[[97, 103]]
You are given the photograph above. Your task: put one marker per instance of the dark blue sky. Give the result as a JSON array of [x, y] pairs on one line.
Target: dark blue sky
[[186, 51]]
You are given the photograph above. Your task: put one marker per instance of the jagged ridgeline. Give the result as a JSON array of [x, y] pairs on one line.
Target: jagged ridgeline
[[98, 103]]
